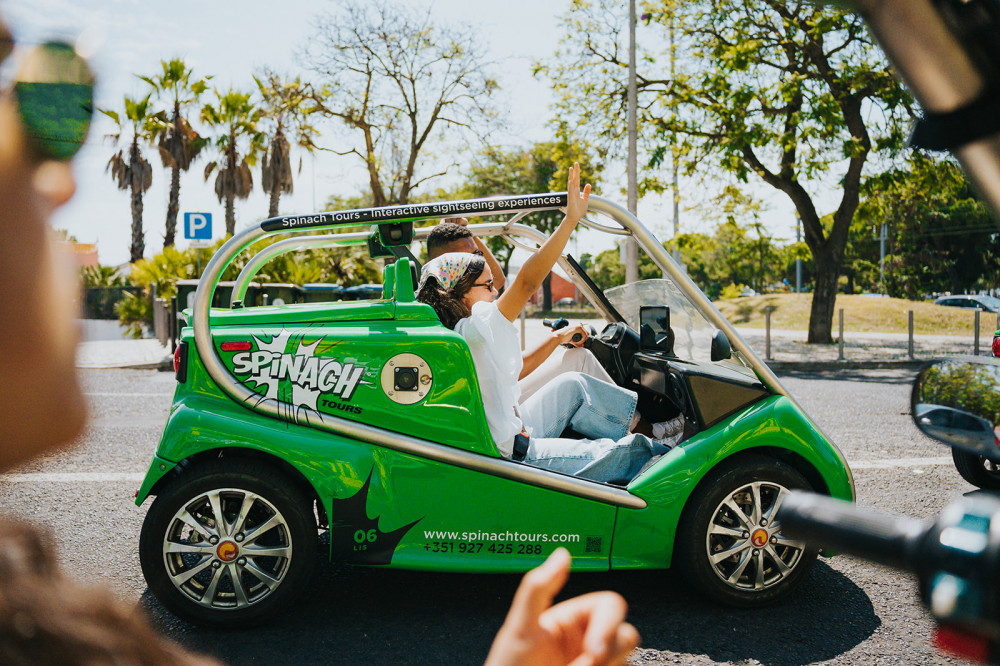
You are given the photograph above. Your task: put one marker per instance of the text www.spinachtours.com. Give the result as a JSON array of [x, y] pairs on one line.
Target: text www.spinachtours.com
[[517, 537]]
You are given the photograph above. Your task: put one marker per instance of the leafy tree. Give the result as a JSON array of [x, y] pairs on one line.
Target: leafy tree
[[397, 82], [238, 145], [129, 168], [287, 108], [697, 251], [178, 143], [160, 273], [782, 90], [101, 276], [939, 235], [607, 270], [786, 256]]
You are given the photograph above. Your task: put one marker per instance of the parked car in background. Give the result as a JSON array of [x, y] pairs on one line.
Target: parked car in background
[[565, 302], [984, 303]]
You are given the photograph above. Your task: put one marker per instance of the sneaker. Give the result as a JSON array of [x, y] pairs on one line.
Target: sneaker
[[669, 429]]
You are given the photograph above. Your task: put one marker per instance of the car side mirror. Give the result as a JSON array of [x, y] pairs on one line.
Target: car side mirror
[[957, 401], [721, 349]]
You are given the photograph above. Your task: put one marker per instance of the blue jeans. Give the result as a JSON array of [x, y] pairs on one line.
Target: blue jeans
[[599, 411]]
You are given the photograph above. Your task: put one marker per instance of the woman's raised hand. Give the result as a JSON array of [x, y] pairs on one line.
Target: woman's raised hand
[[576, 201], [536, 267]]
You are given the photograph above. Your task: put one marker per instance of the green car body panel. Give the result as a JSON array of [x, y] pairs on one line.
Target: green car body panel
[[391, 508]]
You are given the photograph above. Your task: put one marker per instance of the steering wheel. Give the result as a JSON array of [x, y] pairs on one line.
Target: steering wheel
[[613, 334], [607, 347]]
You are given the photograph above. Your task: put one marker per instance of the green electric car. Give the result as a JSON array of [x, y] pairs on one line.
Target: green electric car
[[357, 427]]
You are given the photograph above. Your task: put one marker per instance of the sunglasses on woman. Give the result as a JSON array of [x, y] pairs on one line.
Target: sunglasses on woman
[[488, 284], [54, 91]]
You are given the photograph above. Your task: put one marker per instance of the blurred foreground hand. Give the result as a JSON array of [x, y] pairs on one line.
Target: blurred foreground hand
[[582, 631]]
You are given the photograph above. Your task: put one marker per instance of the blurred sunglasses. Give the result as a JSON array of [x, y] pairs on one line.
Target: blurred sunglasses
[[54, 90]]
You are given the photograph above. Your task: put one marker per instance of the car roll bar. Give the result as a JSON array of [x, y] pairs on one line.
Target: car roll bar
[[509, 230], [518, 206]]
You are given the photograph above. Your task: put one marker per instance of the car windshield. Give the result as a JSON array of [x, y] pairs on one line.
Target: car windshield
[[692, 331]]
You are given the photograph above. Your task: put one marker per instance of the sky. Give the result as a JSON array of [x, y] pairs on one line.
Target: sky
[[231, 41]]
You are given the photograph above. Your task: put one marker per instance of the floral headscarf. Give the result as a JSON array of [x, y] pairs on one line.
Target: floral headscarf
[[448, 268]]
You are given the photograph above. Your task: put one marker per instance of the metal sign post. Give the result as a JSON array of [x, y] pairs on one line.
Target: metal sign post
[[198, 229]]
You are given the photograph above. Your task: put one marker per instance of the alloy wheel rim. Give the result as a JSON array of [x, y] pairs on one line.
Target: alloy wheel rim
[[227, 549], [745, 546]]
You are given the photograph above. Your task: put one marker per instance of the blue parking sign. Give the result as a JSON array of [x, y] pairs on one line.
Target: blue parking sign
[[198, 226]]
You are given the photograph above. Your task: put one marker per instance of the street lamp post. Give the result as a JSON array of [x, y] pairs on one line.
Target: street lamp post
[[673, 145], [631, 247], [798, 261]]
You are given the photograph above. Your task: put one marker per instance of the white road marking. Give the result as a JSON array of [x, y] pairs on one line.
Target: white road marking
[[71, 477], [892, 463], [105, 394]]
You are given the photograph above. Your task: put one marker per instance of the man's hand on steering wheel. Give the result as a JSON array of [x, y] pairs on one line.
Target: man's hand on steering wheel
[[566, 335]]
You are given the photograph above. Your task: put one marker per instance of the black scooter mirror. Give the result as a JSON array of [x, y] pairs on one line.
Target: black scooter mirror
[[957, 401]]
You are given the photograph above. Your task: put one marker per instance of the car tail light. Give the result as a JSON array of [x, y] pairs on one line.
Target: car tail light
[[996, 345], [180, 362]]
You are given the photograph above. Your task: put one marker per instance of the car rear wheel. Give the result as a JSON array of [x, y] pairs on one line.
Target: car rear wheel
[[730, 546], [977, 470], [228, 543]]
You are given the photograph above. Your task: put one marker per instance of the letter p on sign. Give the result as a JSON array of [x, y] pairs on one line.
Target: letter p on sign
[[198, 226]]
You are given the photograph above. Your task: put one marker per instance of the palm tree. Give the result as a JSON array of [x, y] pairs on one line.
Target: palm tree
[[286, 106], [237, 116], [178, 143], [130, 170]]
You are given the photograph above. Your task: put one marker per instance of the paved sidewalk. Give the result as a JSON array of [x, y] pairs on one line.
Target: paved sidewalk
[[870, 350], [788, 349], [123, 354]]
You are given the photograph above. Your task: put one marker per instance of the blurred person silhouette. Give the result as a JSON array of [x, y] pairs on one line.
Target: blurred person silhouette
[[45, 617]]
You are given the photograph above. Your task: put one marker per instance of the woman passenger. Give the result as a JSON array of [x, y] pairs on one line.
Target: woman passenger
[[459, 286]]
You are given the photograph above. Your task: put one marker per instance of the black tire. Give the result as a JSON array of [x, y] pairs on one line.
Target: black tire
[[738, 580], [973, 469], [200, 584]]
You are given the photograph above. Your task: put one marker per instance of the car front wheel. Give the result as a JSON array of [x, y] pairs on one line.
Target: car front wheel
[[228, 543], [729, 544]]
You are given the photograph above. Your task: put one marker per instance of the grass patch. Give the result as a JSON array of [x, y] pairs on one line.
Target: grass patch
[[865, 314]]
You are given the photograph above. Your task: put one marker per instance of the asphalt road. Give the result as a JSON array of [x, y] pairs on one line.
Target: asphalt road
[[847, 612]]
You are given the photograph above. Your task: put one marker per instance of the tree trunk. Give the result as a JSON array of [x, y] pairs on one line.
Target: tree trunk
[[547, 292], [824, 298], [138, 248], [231, 214], [173, 206], [272, 208]]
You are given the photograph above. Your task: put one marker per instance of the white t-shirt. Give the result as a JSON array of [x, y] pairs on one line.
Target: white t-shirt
[[496, 353]]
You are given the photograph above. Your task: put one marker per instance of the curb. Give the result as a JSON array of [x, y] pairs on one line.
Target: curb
[[818, 366], [163, 365]]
